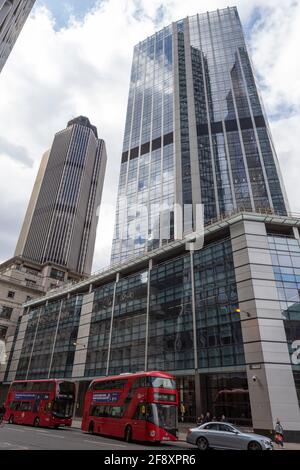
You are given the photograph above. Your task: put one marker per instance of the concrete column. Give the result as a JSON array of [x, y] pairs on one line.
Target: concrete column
[[269, 372], [83, 335]]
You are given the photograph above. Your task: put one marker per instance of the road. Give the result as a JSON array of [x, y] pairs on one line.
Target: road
[[18, 437]]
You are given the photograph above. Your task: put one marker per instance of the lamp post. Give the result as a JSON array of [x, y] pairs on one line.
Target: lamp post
[[77, 343], [238, 310]]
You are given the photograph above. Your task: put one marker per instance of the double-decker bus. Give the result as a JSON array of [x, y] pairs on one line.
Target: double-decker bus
[[140, 406], [40, 403]]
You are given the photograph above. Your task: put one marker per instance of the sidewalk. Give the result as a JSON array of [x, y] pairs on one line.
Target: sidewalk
[[183, 428]]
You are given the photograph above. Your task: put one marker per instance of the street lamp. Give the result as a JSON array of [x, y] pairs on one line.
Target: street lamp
[[77, 343], [238, 310]]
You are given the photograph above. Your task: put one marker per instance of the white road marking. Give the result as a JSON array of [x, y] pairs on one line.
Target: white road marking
[[12, 429], [49, 434], [15, 446]]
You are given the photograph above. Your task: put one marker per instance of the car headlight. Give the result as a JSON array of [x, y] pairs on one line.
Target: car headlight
[[267, 443]]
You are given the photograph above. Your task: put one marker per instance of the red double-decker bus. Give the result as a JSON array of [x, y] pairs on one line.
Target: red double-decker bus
[[140, 406], [40, 403]]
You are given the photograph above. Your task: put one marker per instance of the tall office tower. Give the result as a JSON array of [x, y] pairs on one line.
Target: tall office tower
[[195, 132], [13, 14], [62, 215]]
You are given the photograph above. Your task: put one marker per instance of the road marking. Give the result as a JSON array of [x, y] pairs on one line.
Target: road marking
[[11, 429], [15, 446], [103, 443], [50, 435]]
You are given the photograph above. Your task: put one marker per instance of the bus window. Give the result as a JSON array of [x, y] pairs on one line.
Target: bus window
[[140, 412], [25, 406], [161, 382], [48, 407]]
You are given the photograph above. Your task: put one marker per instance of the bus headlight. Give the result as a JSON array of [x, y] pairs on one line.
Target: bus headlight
[[152, 433]]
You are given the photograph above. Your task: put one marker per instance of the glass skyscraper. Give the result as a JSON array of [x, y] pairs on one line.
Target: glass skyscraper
[[195, 133]]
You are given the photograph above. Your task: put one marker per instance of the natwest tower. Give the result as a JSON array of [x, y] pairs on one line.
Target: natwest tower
[[62, 215], [195, 132]]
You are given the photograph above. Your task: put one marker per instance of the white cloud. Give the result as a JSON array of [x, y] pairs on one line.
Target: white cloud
[[84, 68]]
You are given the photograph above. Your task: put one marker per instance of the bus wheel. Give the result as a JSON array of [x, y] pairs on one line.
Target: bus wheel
[[36, 422], [11, 419], [91, 427], [128, 434]]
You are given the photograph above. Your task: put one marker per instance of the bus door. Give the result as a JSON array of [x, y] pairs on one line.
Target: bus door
[[139, 423]]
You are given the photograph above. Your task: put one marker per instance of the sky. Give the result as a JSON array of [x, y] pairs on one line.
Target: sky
[[74, 57]]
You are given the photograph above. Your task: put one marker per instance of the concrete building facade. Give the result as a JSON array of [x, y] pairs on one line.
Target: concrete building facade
[[13, 14], [20, 281], [61, 220]]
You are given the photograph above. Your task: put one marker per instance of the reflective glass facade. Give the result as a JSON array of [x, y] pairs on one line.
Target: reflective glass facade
[[156, 319], [215, 318], [49, 343], [195, 132], [286, 264]]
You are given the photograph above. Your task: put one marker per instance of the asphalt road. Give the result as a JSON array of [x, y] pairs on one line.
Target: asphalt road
[[18, 437]]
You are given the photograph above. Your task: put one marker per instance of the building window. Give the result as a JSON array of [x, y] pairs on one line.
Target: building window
[[28, 298], [11, 294], [32, 271], [3, 330], [5, 312], [30, 283], [56, 274]]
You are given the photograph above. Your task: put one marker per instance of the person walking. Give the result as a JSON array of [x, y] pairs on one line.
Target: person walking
[[207, 418], [279, 434], [200, 420], [2, 413], [223, 419]]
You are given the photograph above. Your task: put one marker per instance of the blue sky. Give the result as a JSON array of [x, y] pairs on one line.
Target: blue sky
[[63, 9]]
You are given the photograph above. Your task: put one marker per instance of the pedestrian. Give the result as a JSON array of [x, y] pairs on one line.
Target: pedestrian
[[182, 412], [200, 420], [207, 418], [279, 433], [2, 412], [214, 418], [222, 419]]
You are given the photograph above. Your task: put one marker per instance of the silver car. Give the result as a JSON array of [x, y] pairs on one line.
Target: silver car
[[225, 436]]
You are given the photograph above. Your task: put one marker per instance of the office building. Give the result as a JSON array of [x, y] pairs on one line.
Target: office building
[[224, 319], [61, 220], [13, 14], [195, 133]]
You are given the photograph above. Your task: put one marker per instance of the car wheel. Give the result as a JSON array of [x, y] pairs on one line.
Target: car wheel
[[128, 434], [253, 445], [11, 419], [36, 422], [91, 427], [202, 443]]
